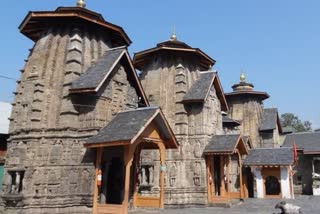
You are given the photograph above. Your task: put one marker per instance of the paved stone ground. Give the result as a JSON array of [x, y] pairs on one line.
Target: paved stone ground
[[309, 205]]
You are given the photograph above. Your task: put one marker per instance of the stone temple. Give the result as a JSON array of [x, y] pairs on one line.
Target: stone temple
[[88, 135]]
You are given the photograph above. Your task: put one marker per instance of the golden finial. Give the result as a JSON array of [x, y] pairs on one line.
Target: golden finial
[[242, 77], [173, 35], [81, 3]]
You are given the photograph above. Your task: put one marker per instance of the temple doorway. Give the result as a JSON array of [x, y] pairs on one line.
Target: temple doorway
[[216, 175], [272, 186], [115, 183], [271, 179]]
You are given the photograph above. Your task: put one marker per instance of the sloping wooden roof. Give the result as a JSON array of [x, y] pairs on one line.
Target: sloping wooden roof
[[259, 94], [141, 58], [270, 120], [227, 121], [309, 142], [200, 89], [226, 144], [98, 73], [127, 126], [269, 157], [36, 22]]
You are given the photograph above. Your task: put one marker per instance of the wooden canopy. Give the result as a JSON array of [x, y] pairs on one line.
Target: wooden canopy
[[130, 125], [172, 46], [226, 144], [36, 22]]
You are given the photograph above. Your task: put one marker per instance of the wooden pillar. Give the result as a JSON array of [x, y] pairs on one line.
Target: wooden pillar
[[95, 189], [209, 177], [228, 161], [137, 159], [128, 157], [213, 188], [162, 149], [222, 185], [240, 173]]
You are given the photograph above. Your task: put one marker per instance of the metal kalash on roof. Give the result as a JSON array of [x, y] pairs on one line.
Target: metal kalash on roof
[[81, 3]]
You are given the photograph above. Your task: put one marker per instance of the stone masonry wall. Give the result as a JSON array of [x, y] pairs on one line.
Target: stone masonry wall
[[47, 169], [249, 112], [165, 80]]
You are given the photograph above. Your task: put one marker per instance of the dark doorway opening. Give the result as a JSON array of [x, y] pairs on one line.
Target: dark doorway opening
[[272, 186], [216, 176], [250, 182], [115, 181]]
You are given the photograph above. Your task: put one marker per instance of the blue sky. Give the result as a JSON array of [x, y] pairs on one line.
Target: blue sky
[[276, 43]]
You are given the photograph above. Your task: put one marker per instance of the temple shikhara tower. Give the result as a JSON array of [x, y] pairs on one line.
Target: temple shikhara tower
[[88, 135]]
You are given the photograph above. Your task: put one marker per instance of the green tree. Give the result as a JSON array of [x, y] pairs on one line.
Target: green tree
[[291, 120]]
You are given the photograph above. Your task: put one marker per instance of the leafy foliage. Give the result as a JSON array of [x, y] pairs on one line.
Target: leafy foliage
[[291, 120]]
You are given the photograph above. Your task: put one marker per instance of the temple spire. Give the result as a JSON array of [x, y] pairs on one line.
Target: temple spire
[[173, 35], [81, 3]]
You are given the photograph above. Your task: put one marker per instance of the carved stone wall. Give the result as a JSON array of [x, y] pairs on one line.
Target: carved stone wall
[[166, 79], [47, 167], [249, 112]]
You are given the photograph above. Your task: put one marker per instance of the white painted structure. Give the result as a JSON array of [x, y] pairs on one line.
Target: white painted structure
[[5, 111], [259, 183], [285, 183]]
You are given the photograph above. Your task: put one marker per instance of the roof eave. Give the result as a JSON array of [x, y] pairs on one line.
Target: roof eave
[[75, 14]]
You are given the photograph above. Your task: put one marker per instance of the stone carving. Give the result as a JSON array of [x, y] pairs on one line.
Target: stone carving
[[197, 150], [54, 125], [197, 173], [173, 174]]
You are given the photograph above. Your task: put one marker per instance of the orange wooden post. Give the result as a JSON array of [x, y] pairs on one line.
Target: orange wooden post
[[227, 158], [213, 188], [241, 179], [222, 184], [128, 157], [162, 171], [95, 190], [209, 177]]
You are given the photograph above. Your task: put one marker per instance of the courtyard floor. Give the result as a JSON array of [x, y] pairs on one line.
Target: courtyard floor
[[308, 204]]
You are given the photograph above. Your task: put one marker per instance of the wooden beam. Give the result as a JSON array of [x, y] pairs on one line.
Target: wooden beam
[[95, 188], [162, 149], [222, 185], [210, 180], [128, 156]]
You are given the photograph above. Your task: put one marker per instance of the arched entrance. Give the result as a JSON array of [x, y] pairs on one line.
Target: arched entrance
[[271, 182], [272, 186]]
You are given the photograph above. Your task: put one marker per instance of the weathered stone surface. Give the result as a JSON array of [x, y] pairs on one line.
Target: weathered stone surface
[[47, 168], [166, 80]]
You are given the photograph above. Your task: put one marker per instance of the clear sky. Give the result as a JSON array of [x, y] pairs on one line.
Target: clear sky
[[276, 43]]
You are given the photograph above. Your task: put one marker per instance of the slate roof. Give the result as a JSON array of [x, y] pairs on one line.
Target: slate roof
[[200, 88], [125, 126], [222, 144], [247, 142], [259, 94], [36, 22], [269, 119], [227, 121], [99, 71], [269, 156], [141, 58], [309, 142]]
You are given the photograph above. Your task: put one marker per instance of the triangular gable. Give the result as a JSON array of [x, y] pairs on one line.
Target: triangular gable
[[92, 80], [200, 89], [226, 144], [270, 120], [128, 126]]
